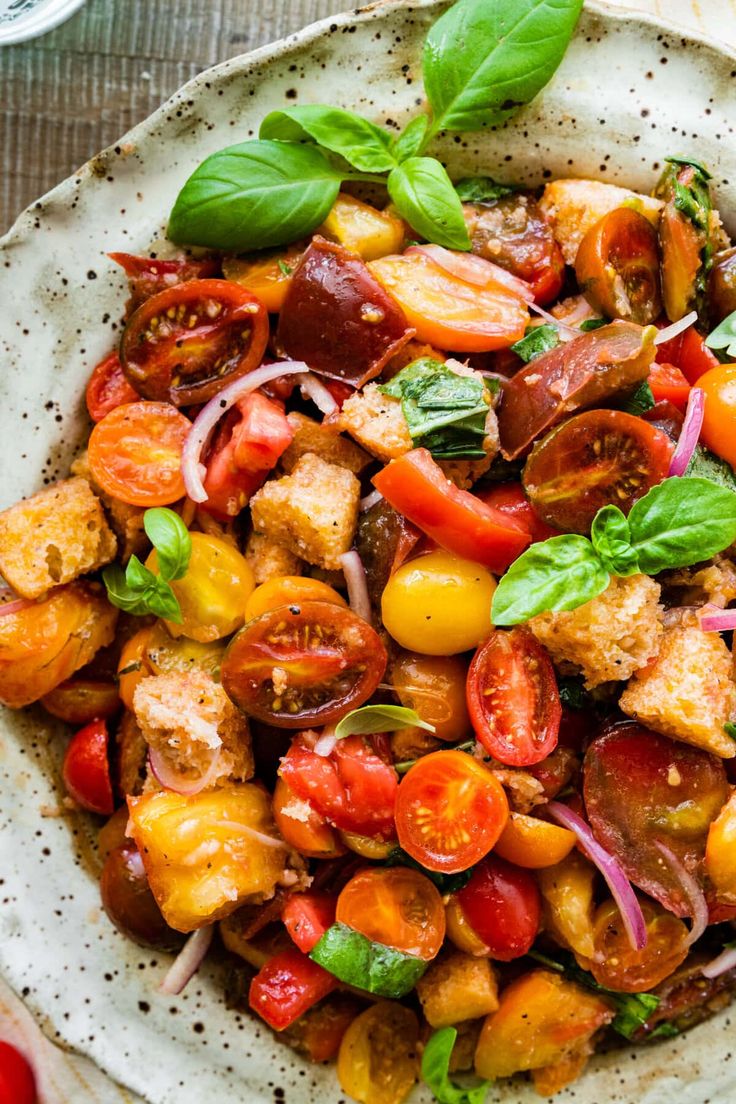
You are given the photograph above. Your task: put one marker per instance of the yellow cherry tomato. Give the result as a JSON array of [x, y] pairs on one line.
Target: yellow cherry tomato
[[439, 604], [363, 228], [214, 592], [377, 1062], [267, 275], [165, 653], [533, 843], [720, 853], [460, 932], [287, 591], [717, 433]]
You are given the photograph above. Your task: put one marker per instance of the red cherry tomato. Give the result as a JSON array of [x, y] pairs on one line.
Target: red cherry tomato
[[511, 499], [513, 700], [135, 453], [287, 986], [185, 344], [86, 769], [450, 811], [668, 384], [502, 905], [17, 1083], [108, 388], [150, 275], [307, 916], [688, 352], [617, 267]]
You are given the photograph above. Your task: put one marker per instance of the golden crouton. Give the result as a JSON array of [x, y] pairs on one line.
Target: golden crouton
[[457, 987], [523, 790], [573, 206], [377, 422], [313, 511], [126, 520], [713, 585], [268, 560], [323, 441], [53, 537], [609, 637], [131, 755], [187, 718], [688, 693]]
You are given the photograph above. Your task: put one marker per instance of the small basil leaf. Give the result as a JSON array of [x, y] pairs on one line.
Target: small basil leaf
[[360, 142], [680, 522], [704, 465], [561, 573], [536, 340], [423, 193], [482, 189], [163, 602], [170, 537], [640, 400], [610, 536], [592, 324], [730, 729], [255, 195], [724, 335], [690, 161], [120, 594], [137, 575], [409, 142], [485, 58], [436, 1071], [379, 718], [573, 694], [359, 961]]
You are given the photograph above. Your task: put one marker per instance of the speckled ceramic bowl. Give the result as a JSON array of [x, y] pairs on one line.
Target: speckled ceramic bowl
[[629, 92]]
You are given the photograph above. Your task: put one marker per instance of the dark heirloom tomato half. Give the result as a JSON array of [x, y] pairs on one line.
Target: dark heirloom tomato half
[[338, 318], [617, 267], [586, 371], [129, 903], [303, 665], [86, 770], [513, 700], [595, 458], [503, 906], [150, 275], [722, 286], [384, 540], [108, 388], [641, 788], [185, 344]]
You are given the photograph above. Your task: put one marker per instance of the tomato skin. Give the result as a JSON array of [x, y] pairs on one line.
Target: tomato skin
[[288, 590], [265, 276], [135, 453], [86, 769], [502, 905], [307, 916], [218, 331], [434, 686], [511, 499], [513, 700], [450, 811], [720, 852], [150, 275], [512, 232], [719, 385], [615, 965], [417, 487], [17, 1083], [722, 286], [669, 384], [313, 837], [129, 903], [108, 388], [617, 267], [396, 906], [287, 986], [533, 843], [689, 353], [79, 701]]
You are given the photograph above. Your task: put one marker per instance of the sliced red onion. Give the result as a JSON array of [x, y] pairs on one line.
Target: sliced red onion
[[724, 962], [14, 607], [690, 432], [252, 833], [354, 572], [187, 962], [473, 269], [618, 883], [370, 500], [692, 890], [567, 333], [326, 743], [713, 619], [313, 388], [170, 779], [192, 468], [676, 328]]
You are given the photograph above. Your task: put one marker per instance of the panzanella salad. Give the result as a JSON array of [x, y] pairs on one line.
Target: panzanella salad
[[391, 597]]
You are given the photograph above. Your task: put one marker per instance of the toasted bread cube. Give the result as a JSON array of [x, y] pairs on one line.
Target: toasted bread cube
[[323, 441], [608, 638], [713, 585], [573, 206], [688, 693], [313, 511], [126, 520], [54, 537], [377, 422], [457, 987], [268, 560], [132, 755], [187, 718]]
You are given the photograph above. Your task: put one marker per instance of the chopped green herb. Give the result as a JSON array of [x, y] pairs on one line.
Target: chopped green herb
[[359, 961], [592, 324], [640, 400], [705, 465], [690, 161], [665, 1030], [436, 1071], [482, 189], [573, 694], [285, 268], [536, 340], [724, 336], [446, 412], [730, 729]]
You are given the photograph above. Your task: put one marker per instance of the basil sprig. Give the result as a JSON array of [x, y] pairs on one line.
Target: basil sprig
[[436, 1071], [358, 961], [137, 590], [445, 412], [379, 718], [679, 522], [483, 59]]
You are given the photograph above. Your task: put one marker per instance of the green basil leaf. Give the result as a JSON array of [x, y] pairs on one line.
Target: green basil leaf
[[482, 189], [363, 144], [359, 961], [120, 594], [592, 324], [704, 465], [170, 537], [561, 573], [611, 538], [436, 1071], [163, 603], [138, 576], [445, 412], [573, 694], [665, 1030], [423, 193], [724, 335], [730, 729], [640, 400], [680, 522], [379, 718], [446, 883], [536, 340], [485, 58], [140, 592], [255, 195], [409, 142], [690, 161]]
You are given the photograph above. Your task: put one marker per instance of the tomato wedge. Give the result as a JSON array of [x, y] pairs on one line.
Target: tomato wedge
[[307, 916], [417, 487], [689, 353], [184, 345], [595, 458], [86, 769], [108, 388], [266, 275], [450, 811], [669, 384], [288, 985], [396, 906], [511, 499], [617, 267], [503, 906], [135, 453]]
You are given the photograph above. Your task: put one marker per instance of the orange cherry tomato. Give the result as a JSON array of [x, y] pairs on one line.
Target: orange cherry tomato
[[717, 433], [450, 811], [79, 701], [669, 384], [434, 686], [135, 453], [616, 965], [720, 853], [302, 827], [617, 267], [267, 276], [449, 312], [396, 906], [133, 665], [288, 590], [533, 843], [108, 388]]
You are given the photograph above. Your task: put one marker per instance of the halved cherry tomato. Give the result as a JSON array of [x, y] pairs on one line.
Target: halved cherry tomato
[[378, 1062], [617, 267], [17, 1083], [307, 916], [384, 540], [592, 460], [616, 965], [449, 312], [533, 843], [108, 388], [135, 453], [434, 686], [720, 853], [287, 986], [302, 827], [266, 275], [289, 590], [86, 770], [133, 665], [450, 811], [416, 486], [80, 701], [128, 901], [511, 499], [150, 275], [303, 665], [396, 906], [353, 788], [669, 384], [719, 385], [502, 905], [512, 698], [358, 226], [184, 345]]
